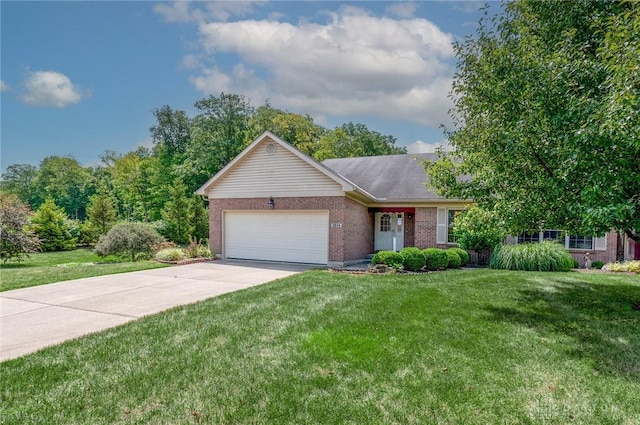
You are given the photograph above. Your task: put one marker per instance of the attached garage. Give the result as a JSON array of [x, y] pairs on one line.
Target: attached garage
[[291, 236]]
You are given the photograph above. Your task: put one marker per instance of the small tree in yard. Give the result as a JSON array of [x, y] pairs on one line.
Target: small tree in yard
[[198, 217], [477, 230], [16, 240], [175, 213], [50, 223], [101, 211], [128, 239]]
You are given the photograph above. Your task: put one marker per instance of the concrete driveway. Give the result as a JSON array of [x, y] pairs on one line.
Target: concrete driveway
[[34, 318]]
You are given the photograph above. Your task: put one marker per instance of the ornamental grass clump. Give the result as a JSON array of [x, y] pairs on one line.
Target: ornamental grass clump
[[626, 266], [435, 259], [170, 254], [412, 258], [547, 256], [453, 258], [388, 258]]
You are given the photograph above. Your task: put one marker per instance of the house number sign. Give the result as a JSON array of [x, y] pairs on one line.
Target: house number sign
[[336, 224]]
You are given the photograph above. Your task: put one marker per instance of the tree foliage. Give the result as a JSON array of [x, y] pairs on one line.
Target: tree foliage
[[354, 140], [20, 179], [50, 223], [101, 211], [63, 179], [176, 214], [546, 117], [476, 229], [16, 240]]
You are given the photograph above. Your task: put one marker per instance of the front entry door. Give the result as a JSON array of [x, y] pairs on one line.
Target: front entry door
[[389, 234]]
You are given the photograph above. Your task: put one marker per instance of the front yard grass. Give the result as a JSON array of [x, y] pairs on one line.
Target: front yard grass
[[49, 267], [455, 347]]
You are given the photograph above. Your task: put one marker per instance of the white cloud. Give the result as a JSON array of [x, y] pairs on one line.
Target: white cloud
[[190, 61], [50, 88], [187, 11], [355, 64], [422, 147], [403, 9], [4, 86]]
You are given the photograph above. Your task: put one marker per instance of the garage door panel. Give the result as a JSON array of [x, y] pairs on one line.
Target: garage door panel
[[291, 236]]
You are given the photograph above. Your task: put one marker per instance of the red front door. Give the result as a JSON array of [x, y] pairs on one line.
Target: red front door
[[637, 252]]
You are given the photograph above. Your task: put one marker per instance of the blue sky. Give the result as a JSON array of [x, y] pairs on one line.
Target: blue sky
[[79, 78]]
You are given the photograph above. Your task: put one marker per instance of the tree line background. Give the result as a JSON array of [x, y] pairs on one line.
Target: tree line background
[[156, 185]]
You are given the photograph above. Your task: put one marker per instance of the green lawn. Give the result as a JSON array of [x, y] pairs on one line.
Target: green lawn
[[49, 267], [455, 347]]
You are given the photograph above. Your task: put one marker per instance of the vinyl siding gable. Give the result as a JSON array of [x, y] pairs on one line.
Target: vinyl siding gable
[[263, 172]]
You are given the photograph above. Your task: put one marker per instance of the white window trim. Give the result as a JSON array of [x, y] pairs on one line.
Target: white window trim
[[595, 242]]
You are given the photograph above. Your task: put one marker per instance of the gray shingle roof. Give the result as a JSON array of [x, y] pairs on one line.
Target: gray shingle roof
[[390, 177]]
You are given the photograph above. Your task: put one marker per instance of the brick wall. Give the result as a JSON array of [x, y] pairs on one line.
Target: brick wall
[[353, 240], [425, 227], [606, 256], [358, 231]]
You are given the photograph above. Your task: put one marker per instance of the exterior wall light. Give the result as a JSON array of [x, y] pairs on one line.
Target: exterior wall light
[[271, 204]]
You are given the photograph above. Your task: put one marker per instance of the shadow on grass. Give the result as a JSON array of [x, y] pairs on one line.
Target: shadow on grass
[[16, 265], [600, 320]]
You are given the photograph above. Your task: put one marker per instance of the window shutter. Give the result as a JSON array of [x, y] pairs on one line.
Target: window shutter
[[511, 240], [600, 244], [441, 233]]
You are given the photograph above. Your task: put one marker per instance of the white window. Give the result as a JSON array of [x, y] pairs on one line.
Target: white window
[[385, 223], [576, 242], [580, 242]]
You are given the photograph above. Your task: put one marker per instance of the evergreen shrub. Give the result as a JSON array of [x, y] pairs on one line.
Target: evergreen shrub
[[388, 258], [412, 258], [453, 258], [435, 258], [464, 256]]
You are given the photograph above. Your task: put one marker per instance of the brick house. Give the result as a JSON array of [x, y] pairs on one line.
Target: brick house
[[274, 203]]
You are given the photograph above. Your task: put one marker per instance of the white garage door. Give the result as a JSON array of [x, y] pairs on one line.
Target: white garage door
[[291, 236]]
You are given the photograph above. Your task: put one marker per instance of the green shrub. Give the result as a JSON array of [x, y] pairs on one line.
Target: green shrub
[[464, 256], [128, 239], [477, 229], [453, 258], [170, 254], [597, 264], [546, 256], [412, 258], [435, 258], [388, 258]]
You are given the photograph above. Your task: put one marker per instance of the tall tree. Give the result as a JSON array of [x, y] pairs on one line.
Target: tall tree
[[219, 132], [353, 140], [176, 214], [67, 182], [131, 175], [299, 130], [101, 211], [172, 131], [20, 179], [546, 122]]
